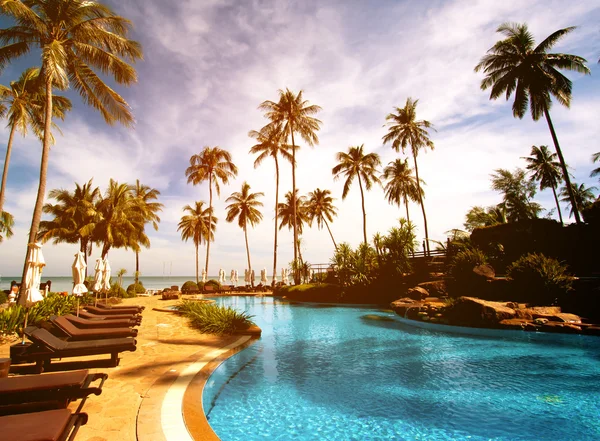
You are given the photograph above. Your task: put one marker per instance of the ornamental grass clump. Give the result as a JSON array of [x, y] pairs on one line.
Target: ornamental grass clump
[[209, 318], [539, 280]]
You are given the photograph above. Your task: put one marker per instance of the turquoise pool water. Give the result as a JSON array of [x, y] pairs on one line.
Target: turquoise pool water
[[341, 373]]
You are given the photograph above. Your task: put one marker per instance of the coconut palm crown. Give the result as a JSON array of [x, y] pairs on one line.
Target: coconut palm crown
[[401, 186], [198, 225], [516, 65], [584, 196], [320, 208]]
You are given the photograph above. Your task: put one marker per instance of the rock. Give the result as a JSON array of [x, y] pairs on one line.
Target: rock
[[485, 271], [436, 288], [592, 330], [417, 293], [471, 311], [540, 321], [566, 318], [403, 306]]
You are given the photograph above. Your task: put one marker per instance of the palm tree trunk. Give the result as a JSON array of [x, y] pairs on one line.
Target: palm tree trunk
[[328, 229], [276, 213], [39, 202], [248, 254], [296, 272], [209, 223], [362, 198], [563, 165], [422, 205], [105, 250], [137, 267], [406, 205], [557, 206], [83, 244], [5, 170], [197, 278]]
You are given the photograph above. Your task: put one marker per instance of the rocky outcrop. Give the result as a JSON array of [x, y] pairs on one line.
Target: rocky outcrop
[[417, 293], [485, 271], [435, 288], [471, 311]]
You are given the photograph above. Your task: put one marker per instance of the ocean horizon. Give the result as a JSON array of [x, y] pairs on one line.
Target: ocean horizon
[[65, 283]]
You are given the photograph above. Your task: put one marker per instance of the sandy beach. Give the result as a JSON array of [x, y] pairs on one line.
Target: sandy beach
[[129, 407]]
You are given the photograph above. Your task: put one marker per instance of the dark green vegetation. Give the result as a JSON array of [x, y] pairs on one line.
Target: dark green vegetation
[[214, 319], [135, 288]]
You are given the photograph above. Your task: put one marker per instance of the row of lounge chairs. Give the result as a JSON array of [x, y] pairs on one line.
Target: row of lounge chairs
[[35, 407]]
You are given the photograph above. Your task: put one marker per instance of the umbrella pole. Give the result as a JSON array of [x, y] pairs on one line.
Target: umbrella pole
[[25, 325], [77, 306], [96, 302]]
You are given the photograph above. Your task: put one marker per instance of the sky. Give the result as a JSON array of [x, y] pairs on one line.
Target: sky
[[209, 64]]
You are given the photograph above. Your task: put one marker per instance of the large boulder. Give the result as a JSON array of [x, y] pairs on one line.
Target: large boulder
[[485, 271], [417, 293], [471, 311], [435, 288]]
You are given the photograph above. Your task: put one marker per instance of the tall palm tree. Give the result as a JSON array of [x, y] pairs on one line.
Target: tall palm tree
[[596, 171], [294, 209], [7, 221], [516, 65], [73, 218], [212, 164], [145, 196], [244, 207], [24, 100], [583, 196], [320, 208], [197, 225], [544, 168], [74, 37], [271, 142], [405, 130], [401, 185], [517, 194], [120, 223], [355, 164], [293, 114]]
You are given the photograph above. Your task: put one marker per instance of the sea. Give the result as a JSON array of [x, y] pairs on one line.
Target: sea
[[62, 283]]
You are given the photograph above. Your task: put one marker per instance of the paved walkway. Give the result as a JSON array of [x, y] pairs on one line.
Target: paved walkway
[[142, 398]]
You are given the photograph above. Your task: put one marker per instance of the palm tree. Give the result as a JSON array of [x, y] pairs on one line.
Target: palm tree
[[293, 114], [287, 215], [355, 164], [596, 171], [74, 37], [583, 196], [404, 130], [320, 208], [401, 185], [516, 65], [213, 164], [120, 275], [544, 168], [7, 221], [144, 196], [517, 194], [74, 217], [271, 142], [484, 217], [25, 102], [244, 207], [195, 226], [120, 223]]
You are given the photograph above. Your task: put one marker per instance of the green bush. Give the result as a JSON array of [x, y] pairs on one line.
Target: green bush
[[189, 286], [118, 291], [209, 318], [214, 283], [309, 292], [200, 286], [539, 280], [135, 288], [3, 297], [463, 280]]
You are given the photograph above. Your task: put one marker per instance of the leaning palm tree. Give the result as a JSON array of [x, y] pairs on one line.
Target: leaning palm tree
[[516, 65], [197, 225], [212, 164], [401, 185], [244, 207], [320, 208], [145, 196], [583, 196], [293, 114], [355, 164], [271, 142], [293, 210], [7, 222], [543, 167], [73, 217], [405, 130], [24, 100], [74, 37], [596, 171]]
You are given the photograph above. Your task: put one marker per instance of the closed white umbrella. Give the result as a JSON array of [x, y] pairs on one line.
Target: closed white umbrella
[[263, 277], [232, 277], [106, 278], [78, 268], [204, 276], [98, 276], [33, 277], [246, 276], [274, 281], [221, 276], [236, 277], [252, 277]]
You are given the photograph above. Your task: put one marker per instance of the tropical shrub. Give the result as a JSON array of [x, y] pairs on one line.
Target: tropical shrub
[[309, 292], [117, 290], [214, 283], [135, 288], [189, 286], [209, 318], [3, 297], [539, 280], [463, 280]]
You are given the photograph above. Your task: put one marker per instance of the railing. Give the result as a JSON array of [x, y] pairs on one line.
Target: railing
[[432, 253]]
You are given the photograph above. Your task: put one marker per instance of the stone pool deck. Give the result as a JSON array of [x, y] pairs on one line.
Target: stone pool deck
[[145, 396]]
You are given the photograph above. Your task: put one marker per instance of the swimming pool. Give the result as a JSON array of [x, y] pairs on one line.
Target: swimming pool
[[343, 373]]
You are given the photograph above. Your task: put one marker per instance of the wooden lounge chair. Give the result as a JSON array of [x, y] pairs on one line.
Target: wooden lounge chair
[[105, 311], [51, 425], [46, 346], [92, 316], [137, 308], [73, 333], [209, 289], [34, 393], [99, 324]]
